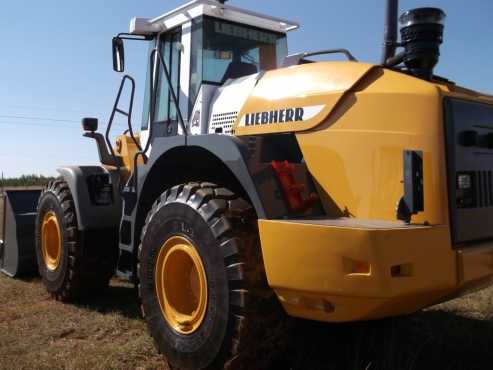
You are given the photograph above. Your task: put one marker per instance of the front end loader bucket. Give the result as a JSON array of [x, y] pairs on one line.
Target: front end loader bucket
[[17, 250]]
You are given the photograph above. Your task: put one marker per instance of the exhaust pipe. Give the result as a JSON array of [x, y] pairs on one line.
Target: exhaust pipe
[[390, 34]]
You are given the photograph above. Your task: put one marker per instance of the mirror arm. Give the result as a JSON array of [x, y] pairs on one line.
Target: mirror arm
[[104, 157], [119, 49]]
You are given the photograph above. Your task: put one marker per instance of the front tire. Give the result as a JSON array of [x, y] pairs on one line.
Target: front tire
[[69, 269], [242, 320]]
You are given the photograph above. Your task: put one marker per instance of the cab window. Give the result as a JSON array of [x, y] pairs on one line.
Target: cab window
[[170, 50], [165, 115], [222, 50]]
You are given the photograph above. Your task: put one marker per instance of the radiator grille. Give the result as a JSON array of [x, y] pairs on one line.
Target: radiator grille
[[222, 123], [484, 190]]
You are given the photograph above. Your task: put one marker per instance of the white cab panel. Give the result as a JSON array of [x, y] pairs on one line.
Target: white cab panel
[[186, 41], [227, 103], [214, 8], [199, 120]]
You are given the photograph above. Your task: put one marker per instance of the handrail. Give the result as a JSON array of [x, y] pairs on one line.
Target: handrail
[[156, 55], [128, 114], [346, 52], [295, 59], [157, 52]]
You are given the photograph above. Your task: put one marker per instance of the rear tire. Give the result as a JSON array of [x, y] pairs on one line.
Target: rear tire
[[74, 271], [243, 322]]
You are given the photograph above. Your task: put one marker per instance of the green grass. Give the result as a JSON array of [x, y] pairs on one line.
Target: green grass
[[26, 181], [108, 333]]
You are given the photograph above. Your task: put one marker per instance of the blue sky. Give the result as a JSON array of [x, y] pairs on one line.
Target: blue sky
[[55, 62]]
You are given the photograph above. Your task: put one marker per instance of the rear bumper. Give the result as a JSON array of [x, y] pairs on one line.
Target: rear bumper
[[315, 267], [475, 268]]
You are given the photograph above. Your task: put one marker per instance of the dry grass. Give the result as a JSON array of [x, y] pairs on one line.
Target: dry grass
[[456, 335], [108, 333], [38, 333]]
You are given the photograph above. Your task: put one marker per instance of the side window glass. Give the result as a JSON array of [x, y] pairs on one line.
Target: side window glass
[[175, 74], [162, 93], [196, 61], [145, 110], [169, 45]]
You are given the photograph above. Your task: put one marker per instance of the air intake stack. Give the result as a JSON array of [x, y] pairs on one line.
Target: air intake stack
[[422, 35]]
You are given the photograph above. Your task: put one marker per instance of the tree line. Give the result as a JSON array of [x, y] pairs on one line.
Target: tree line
[[25, 180]]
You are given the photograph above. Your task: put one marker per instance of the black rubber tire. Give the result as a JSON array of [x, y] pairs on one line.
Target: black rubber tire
[[83, 271], [244, 322]]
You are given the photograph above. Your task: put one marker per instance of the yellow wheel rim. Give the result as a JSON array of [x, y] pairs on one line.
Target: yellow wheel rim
[[51, 241], [181, 285]]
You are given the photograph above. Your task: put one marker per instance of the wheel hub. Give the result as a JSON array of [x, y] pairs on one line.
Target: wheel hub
[[51, 241], [181, 285]]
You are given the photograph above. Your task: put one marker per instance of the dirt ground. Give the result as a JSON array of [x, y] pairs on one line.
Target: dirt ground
[[108, 333]]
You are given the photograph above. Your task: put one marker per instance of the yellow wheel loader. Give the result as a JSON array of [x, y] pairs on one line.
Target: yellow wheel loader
[[264, 185]]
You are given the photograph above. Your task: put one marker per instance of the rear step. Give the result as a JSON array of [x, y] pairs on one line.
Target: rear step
[[17, 249]]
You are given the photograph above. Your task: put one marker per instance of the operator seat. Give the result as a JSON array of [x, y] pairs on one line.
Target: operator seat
[[239, 69]]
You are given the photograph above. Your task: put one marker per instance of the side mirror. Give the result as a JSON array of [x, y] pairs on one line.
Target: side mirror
[[90, 124], [118, 55]]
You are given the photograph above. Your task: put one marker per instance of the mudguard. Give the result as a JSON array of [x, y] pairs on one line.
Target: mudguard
[[89, 215], [234, 154], [232, 151]]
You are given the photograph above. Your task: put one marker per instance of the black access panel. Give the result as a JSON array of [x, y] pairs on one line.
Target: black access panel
[[469, 128], [17, 252]]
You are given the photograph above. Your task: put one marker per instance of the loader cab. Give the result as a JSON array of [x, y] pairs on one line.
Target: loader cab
[[205, 44]]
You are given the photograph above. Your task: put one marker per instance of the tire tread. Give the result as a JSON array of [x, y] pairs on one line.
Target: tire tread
[[86, 274], [233, 223]]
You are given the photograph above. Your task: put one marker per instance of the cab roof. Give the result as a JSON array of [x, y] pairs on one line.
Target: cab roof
[[197, 8]]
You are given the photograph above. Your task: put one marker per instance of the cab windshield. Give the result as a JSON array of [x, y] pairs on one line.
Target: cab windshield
[[222, 50]]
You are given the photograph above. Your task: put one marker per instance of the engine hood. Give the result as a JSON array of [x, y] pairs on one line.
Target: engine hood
[[297, 98], [460, 92]]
